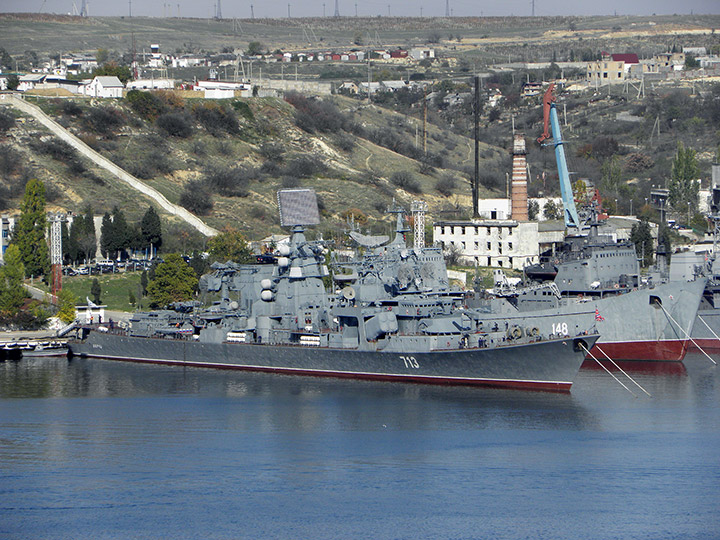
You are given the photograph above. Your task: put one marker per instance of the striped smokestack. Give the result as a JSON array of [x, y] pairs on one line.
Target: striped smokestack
[[519, 180]]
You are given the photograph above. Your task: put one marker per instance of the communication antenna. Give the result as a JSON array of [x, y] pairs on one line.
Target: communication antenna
[[252, 11], [447, 8], [84, 9], [532, 3], [337, 8], [75, 11], [418, 209], [218, 10]]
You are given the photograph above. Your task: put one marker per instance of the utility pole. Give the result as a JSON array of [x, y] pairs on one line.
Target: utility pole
[[476, 178], [337, 9]]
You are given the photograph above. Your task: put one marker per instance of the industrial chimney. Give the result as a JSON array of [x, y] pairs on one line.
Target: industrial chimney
[[519, 180]]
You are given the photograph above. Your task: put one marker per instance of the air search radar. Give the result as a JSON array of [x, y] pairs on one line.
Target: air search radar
[[298, 207]]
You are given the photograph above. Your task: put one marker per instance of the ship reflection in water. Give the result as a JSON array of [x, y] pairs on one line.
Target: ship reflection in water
[[94, 448]]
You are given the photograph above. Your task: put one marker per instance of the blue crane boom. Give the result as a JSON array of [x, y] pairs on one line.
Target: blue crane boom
[[551, 118]]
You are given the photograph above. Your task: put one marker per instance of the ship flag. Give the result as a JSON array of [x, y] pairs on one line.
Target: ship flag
[[598, 317]]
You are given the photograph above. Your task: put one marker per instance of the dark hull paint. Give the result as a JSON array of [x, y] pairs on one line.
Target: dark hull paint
[[547, 365]]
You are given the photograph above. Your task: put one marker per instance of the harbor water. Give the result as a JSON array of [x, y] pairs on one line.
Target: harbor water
[[100, 449]]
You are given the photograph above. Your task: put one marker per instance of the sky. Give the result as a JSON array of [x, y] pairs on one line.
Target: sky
[[412, 8]]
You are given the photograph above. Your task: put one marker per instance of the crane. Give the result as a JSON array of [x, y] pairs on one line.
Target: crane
[[551, 121]]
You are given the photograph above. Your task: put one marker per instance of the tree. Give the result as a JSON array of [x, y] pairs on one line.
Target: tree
[[29, 232], [66, 306], [95, 290], [254, 48], [82, 236], [611, 175], [174, 281], [229, 245], [115, 234], [12, 292], [683, 185], [151, 229], [533, 210], [551, 210], [111, 68], [642, 238], [143, 283]]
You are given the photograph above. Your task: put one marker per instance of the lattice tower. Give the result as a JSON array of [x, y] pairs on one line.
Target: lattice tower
[[418, 209]]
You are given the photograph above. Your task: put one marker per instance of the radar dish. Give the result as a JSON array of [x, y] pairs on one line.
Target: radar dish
[[298, 207], [348, 293], [368, 241]]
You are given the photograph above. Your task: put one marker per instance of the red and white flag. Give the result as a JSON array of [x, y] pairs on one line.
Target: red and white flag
[[598, 317]]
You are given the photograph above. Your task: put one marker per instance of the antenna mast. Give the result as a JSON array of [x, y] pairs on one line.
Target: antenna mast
[[447, 8], [337, 8]]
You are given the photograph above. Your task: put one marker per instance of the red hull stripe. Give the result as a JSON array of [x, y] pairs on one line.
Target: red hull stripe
[[706, 344], [662, 350], [552, 386]]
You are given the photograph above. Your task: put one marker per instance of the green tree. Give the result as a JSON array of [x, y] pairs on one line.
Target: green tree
[[101, 56], [111, 68], [229, 245], [29, 232], [611, 175], [151, 229], [551, 210], [95, 290], [533, 210], [683, 183], [82, 236], [66, 306], [255, 48], [13, 81], [174, 281], [143, 283], [642, 238], [12, 292], [115, 234]]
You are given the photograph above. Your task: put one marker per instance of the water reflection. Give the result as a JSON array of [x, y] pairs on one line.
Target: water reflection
[[280, 402]]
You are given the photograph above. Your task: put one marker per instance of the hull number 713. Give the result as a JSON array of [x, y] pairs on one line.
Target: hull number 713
[[410, 362]]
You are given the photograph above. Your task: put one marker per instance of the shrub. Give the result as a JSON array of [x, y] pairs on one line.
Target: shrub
[[196, 198], [243, 109], [315, 114], [146, 104], [7, 121], [289, 182], [305, 167], [10, 161], [272, 151], [56, 149], [228, 182], [406, 181], [345, 142], [637, 162], [216, 119], [446, 185], [70, 108], [175, 124], [104, 120]]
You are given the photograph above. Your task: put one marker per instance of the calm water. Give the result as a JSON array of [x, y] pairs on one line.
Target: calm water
[[97, 449]]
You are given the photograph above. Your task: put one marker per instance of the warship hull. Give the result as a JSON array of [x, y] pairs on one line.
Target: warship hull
[[542, 365], [648, 324], [706, 330]]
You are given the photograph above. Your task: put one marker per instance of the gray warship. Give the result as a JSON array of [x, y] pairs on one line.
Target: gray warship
[[397, 321], [638, 319]]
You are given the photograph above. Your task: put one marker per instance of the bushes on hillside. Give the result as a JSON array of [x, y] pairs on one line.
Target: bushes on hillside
[[405, 180], [104, 120], [175, 124], [196, 198], [146, 104], [228, 182], [314, 115], [217, 120], [7, 121]]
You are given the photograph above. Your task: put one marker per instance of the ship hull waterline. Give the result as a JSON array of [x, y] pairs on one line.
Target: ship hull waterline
[[549, 365]]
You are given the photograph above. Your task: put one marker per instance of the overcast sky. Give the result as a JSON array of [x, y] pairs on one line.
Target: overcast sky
[[314, 8]]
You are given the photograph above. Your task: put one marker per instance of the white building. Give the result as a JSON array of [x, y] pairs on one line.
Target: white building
[[421, 53], [151, 84], [503, 243], [105, 87]]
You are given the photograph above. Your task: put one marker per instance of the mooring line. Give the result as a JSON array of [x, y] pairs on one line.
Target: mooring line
[[622, 371], [686, 334], [708, 327], [607, 370]]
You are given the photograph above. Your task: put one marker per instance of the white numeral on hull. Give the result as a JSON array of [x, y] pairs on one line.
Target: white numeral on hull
[[410, 362]]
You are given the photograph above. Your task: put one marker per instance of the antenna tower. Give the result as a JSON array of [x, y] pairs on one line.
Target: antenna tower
[[532, 3], [56, 252], [252, 11], [337, 8], [218, 10], [418, 209], [447, 8], [84, 9]]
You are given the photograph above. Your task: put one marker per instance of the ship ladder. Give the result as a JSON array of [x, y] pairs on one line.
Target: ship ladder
[[686, 334], [588, 353], [621, 370]]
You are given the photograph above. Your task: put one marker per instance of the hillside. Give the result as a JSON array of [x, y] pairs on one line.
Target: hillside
[[236, 154]]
